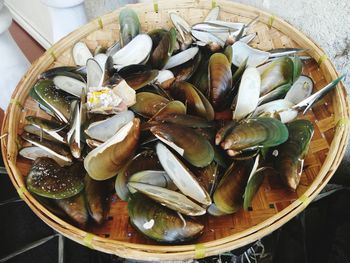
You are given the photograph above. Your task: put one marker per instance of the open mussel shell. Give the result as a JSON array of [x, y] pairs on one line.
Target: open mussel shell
[[171, 199], [56, 101], [189, 144], [148, 104], [256, 133], [142, 163], [61, 71], [275, 94], [32, 129], [228, 194], [46, 178], [57, 149], [34, 152], [45, 124], [153, 177], [106, 160], [51, 128], [277, 73], [200, 77], [289, 157], [248, 93], [96, 195], [301, 89], [160, 223], [69, 85], [241, 51], [183, 28], [220, 81], [181, 58], [208, 176], [74, 134], [181, 175], [197, 103], [75, 208], [214, 41], [307, 103], [173, 107], [81, 54], [129, 25], [165, 78], [137, 51], [184, 120], [163, 46], [283, 109], [184, 71], [105, 129]]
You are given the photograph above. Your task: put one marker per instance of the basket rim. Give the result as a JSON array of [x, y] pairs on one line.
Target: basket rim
[[157, 252]]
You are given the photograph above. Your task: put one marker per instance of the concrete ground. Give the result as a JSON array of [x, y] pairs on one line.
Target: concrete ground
[[327, 22]]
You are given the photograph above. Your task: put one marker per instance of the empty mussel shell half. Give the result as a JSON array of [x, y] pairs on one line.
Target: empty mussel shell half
[[248, 93], [105, 129], [57, 149], [34, 152], [160, 223], [69, 85], [106, 160], [241, 51], [181, 58], [81, 53], [181, 175], [301, 89], [137, 51]]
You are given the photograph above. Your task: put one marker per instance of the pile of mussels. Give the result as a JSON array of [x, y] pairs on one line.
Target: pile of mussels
[[188, 121]]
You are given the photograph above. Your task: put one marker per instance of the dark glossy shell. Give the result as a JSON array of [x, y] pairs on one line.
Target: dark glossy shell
[[290, 155], [196, 149], [220, 81], [228, 196], [160, 223], [46, 178], [256, 133], [96, 194], [148, 104], [55, 100], [75, 208]]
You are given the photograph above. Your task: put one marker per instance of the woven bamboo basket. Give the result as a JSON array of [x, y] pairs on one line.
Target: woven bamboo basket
[[273, 205]]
